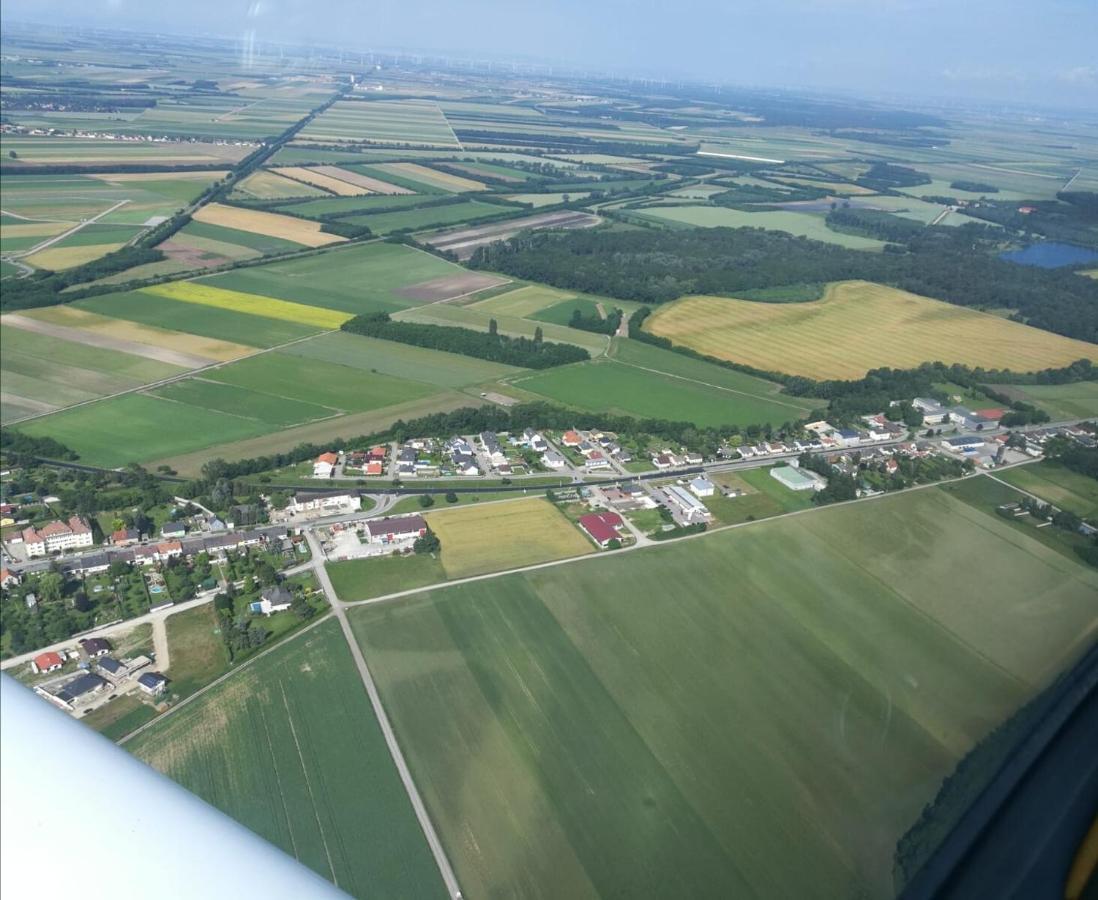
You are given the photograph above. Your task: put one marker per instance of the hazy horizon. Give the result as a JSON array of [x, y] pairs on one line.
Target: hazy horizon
[[1008, 51]]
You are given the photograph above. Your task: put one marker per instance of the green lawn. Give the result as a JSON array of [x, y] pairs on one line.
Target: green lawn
[[208, 321], [757, 712], [290, 748], [614, 387], [357, 279], [401, 360], [1058, 485], [360, 579]]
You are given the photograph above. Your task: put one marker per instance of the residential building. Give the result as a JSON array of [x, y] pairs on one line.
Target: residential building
[[602, 527], [693, 459], [124, 537], [111, 666], [324, 500], [47, 662], [553, 460], [395, 529], [324, 466], [848, 437], [83, 687], [375, 468], [596, 461], [173, 530], [571, 439], [152, 683], [798, 479], [8, 578], [93, 648], [57, 536], [662, 460], [272, 600]]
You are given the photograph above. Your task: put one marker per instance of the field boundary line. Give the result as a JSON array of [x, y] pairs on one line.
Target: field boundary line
[[281, 793], [308, 783], [222, 677], [64, 234]]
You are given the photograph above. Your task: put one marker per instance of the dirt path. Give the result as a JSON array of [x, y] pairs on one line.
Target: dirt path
[[106, 342], [64, 234]]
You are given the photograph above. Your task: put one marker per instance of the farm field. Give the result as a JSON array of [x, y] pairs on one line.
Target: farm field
[[801, 224], [290, 748], [468, 317], [522, 301], [553, 716], [1061, 401], [1058, 485], [361, 579], [401, 360], [428, 217], [346, 206], [232, 243], [859, 326], [207, 321], [357, 279], [204, 293], [299, 231], [326, 183], [619, 388], [424, 176], [34, 150], [265, 184], [479, 539], [384, 121]]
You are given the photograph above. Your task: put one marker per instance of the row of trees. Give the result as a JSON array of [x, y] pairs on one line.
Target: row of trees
[[528, 353]]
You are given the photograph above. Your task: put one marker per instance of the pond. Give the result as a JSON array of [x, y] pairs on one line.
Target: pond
[[1050, 255]]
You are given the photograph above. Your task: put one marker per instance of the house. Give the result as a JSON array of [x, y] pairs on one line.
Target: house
[[375, 468], [378, 454], [408, 455], [601, 527], [702, 487], [798, 479], [173, 530], [848, 437], [324, 500], [490, 442], [395, 529], [991, 416], [111, 666], [535, 441], [152, 683], [89, 564], [933, 412], [93, 648], [891, 466], [80, 688], [168, 550], [689, 506], [1027, 210], [662, 460], [324, 466], [553, 460], [272, 600], [47, 662], [694, 459], [124, 537], [596, 461], [8, 578], [57, 536], [571, 439]]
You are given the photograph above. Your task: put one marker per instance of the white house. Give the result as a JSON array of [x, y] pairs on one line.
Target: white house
[[401, 530], [326, 500], [702, 487], [325, 465], [57, 536], [272, 600], [553, 460]]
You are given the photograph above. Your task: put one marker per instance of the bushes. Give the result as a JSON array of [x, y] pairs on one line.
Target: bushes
[[524, 352]]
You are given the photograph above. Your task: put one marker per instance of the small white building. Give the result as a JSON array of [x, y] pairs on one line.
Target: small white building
[[702, 487], [553, 460], [324, 466]]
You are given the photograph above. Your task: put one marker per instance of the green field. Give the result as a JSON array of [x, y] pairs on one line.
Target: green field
[[385, 121], [263, 243], [401, 360], [1061, 401], [616, 387], [760, 712], [349, 205], [523, 301], [208, 321], [1058, 485], [430, 217], [360, 579], [513, 326], [356, 279], [198, 654], [561, 313], [290, 747], [275, 410]]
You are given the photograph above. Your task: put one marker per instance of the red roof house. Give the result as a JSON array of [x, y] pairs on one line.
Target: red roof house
[[375, 468], [47, 662], [602, 527], [571, 439]]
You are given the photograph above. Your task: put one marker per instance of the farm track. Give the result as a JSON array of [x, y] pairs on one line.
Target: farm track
[[49, 242]]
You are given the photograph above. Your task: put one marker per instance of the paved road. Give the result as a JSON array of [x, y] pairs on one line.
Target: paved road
[[433, 841]]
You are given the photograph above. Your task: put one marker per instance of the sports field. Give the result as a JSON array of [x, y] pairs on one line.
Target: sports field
[[761, 712], [300, 231], [290, 748], [1058, 485], [356, 279], [205, 294], [859, 326], [619, 388], [478, 539]]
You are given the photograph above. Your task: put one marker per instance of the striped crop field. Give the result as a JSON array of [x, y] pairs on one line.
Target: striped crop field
[[289, 228], [252, 304], [856, 327], [321, 180]]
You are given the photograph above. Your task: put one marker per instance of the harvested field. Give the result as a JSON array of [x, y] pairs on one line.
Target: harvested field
[[107, 342], [382, 121], [466, 240], [233, 242], [479, 539], [57, 259], [252, 304], [290, 747], [432, 177], [557, 717], [859, 326], [186, 251], [449, 287], [300, 231], [208, 348], [319, 179], [373, 185], [266, 185]]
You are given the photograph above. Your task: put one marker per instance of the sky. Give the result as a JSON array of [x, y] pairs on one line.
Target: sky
[[1008, 51]]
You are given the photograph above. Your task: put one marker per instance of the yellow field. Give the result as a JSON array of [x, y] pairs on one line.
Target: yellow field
[[270, 224], [252, 304], [71, 317], [440, 179], [57, 258], [34, 229], [479, 539], [266, 185], [859, 326], [320, 180]]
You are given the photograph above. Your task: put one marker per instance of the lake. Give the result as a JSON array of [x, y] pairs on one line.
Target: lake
[[1050, 255]]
